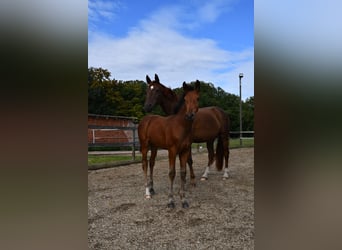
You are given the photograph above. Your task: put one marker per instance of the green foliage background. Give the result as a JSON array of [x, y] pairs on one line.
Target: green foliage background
[[126, 98]]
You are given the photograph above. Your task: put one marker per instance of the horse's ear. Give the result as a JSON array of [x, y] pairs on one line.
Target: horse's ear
[[156, 78], [197, 85], [148, 80], [185, 87]]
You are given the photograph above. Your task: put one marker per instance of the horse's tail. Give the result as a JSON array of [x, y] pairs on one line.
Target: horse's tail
[[219, 153], [223, 140]]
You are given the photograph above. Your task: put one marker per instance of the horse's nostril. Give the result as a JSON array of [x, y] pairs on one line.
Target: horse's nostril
[[148, 107], [190, 116]]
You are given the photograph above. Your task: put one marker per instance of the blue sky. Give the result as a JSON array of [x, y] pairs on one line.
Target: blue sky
[[180, 40]]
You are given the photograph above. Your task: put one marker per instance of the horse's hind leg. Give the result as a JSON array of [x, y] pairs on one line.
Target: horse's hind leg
[[144, 150], [152, 162], [192, 174], [210, 147], [226, 157]]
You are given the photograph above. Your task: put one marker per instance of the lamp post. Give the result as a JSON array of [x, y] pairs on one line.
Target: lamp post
[[240, 76]]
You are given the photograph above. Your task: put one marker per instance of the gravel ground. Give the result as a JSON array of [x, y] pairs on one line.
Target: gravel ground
[[220, 216]]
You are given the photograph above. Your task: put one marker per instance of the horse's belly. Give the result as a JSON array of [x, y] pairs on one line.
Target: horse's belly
[[205, 131], [206, 126], [159, 141], [203, 136]]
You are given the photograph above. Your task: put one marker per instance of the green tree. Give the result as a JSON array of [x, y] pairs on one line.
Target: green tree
[[98, 80], [103, 93], [248, 114], [126, 98]]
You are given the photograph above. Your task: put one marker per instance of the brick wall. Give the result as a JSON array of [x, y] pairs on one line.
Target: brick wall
[[106, 136]]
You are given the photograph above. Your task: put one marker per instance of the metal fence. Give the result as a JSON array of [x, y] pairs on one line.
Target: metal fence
[[115, 136], [244, 134]]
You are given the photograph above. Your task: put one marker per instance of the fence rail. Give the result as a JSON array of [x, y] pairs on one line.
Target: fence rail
[[116, 136], [236, 134], [127, 137], [113, 136]]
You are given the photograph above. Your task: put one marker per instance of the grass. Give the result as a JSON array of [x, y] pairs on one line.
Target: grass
[[233, 143], [98, 159]]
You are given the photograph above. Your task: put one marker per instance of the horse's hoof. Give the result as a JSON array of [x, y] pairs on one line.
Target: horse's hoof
[[148, 197], [185, 204], [204, 178], [171, 204], [152, 191]]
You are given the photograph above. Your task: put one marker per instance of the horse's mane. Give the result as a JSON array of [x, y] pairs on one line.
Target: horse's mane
[[168, 93], [180, 102]]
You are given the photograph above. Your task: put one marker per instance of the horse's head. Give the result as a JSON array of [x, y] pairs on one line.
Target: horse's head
[[153, 93], [191, 96]]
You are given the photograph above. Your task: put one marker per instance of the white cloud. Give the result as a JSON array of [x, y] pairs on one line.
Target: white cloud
[[156, 47], [229, 80], [102, 10], [209, 11]]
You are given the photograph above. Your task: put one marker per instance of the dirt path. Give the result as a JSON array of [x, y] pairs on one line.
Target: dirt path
[[220, 216]]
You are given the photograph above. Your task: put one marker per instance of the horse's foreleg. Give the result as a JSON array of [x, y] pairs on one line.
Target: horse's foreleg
[[172, 174], [183, 157], [152, 162], [192, 174], [210, 147], [144, 167]]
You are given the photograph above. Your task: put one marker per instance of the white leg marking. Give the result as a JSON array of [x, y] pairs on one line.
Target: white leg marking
[[225, 174], [148, 194], [205, 175]]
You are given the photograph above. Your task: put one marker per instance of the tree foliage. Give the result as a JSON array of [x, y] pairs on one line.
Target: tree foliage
[[126, 98]]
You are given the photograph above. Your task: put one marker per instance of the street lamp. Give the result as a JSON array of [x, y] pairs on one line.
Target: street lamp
[[240, 76]]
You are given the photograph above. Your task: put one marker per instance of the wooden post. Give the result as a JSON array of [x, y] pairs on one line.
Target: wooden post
[[133, 147]]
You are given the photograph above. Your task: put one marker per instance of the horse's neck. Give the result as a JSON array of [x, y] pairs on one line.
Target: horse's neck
[[169, 103], [180, 116], [168, 106]]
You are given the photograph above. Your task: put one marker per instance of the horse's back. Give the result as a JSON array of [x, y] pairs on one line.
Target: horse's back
[[208, 123]]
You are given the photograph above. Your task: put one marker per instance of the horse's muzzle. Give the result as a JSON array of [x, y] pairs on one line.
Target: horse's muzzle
[[148, 108], [190, 116]]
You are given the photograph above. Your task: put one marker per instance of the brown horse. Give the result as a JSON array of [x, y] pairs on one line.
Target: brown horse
[[209, 124], [172, 133]]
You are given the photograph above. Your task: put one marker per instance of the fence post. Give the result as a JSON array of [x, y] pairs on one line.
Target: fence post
[[133, 147]]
